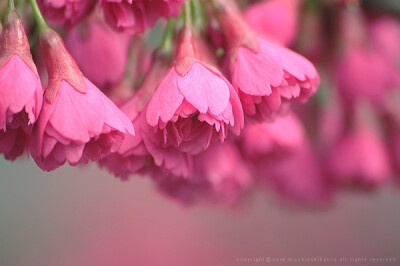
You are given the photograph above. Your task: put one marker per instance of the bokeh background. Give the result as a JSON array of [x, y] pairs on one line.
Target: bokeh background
[[85, 216]]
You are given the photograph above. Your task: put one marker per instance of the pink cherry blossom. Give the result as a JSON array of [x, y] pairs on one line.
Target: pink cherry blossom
[[264, 73], [362, 73], [227, 183], [100, 52], [366, 69], [78, 123], [135, 16], [298, 177], [385, 36], [194, 105], [60, 12], [138, 153], [21, 92], [360, 157], [275, 19], [284, 134], [214, 180]]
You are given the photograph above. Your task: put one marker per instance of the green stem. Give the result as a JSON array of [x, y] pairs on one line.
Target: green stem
[[166, 43], [40, 21], [10, 7], [187, 18], [198, 18], [21, 5]]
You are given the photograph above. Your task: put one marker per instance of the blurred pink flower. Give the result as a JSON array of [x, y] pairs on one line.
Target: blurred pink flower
[[135, 16], [259, 140], [275, 19], [77, 123], [264, 73], [385, 36], [298, 177], [227, 183], [60, 12], [100, 52], [214, 179], [21, 93], [366, 69], [364, 74], [360, 157], [194, 105]]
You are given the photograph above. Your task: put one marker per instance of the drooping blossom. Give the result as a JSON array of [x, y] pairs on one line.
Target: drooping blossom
[[360, 156], [214, 178], [384, 32], [59, 12], [274, 19], [77, 123], [362, 73], [224, 169], [265, 74], [259, 141], [194, 105], [21, 92], [135, 16], [298, 177], [363, 70], [137, 153], [282, 159], [100, 52]]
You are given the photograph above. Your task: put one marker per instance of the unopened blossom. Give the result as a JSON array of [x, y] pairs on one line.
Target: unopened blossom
[[265, 74], [274, 19], [78, 122], [135, 16], [59, 12], [100, 52], [194, 105], [21, 92]]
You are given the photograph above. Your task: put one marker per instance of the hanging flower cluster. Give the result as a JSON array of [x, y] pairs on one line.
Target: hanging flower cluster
[[215, 108]]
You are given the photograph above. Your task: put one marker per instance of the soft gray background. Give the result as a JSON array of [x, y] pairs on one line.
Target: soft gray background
[[84, 216]]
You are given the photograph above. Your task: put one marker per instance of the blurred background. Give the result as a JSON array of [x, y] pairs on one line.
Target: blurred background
[[87, 217]]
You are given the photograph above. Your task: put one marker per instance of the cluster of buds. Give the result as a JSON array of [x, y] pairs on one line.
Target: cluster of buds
[[214, 109]]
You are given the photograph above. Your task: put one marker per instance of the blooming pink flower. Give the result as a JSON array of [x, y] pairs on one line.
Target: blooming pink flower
[[21, 92], [138, 153], [135, 16], [60, 12], [100, 52], [275, 19], [264, 73], [194, 105], [78, 123]]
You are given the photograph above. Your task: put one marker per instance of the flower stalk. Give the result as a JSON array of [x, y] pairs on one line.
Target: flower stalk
[[40, 21]]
